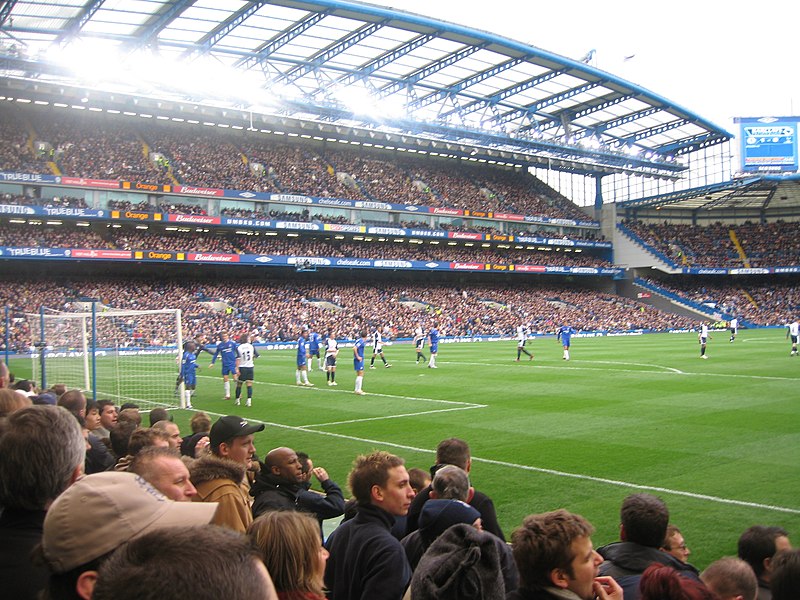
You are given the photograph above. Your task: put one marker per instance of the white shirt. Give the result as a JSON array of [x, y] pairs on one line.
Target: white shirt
[[418, 334], [704, 331], [794, 328], [331, 347], [246, 354], [522, 333], [734, 323]]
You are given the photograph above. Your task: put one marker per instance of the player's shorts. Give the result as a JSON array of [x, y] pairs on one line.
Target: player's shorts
[[302, 362], [314, 352], [521, 343], [419, 344], [703, 340], [229, 370], [376, 348], [734, 330], [794, 339], [190, 380], [330, 360], [434, 348], [358, 365], [245, 373]]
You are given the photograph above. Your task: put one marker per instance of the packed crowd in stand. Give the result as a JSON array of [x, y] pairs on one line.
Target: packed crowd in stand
[[98, 146], [758, 302], [230, 243], [203, 512], [764, 244], [275, 311]]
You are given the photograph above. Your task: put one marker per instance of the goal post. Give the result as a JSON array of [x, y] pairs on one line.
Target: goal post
[[120, 355]]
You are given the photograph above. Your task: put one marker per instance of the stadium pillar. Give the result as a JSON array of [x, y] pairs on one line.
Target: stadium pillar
[[598, 195], [6, 334]]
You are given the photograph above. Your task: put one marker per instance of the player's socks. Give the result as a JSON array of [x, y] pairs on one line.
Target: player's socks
[[297, 376], [359, 381], [227, 386], [333, 376], [305, 377], [566, 354], [188, 396], [383, 358]]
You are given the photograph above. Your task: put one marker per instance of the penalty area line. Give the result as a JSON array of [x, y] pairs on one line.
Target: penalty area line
[[553, 472], [319, 389]]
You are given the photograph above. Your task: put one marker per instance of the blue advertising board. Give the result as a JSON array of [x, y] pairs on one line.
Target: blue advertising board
[[769, 144]]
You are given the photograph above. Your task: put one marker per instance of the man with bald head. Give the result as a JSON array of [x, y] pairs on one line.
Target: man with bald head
[[281, 486]]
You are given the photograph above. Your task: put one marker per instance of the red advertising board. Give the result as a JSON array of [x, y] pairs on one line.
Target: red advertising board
[[213, 257], [107, 184], [84, 253], [194, 219], [458, 266], [530, 269]]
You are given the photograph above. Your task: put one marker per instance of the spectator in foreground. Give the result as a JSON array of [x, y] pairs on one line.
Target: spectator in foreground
[[281, 485], [662, 582], [756, 546], [41, 454], [291, 549], [731, 578], [785, 580], [200, 562], [164, 470], [456, 452], [122, 506], [555, 560], [643, 526], [366, 561], [220, 477]]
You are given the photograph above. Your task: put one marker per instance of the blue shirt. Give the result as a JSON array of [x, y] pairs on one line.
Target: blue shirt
[[359, 346], [564, 333], [227, 350], [313, 343], [433, 334], [301, 350], [188, 365]]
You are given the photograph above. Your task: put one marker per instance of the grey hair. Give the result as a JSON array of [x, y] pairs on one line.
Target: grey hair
[[451, 483], [41, 447]]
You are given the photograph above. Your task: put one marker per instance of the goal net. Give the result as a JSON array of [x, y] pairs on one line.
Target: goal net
[[124, 356]]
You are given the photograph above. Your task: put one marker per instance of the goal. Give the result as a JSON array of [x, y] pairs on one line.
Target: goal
[[124, 356]]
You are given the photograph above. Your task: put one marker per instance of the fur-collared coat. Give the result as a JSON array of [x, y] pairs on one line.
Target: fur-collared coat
[[223, 481]]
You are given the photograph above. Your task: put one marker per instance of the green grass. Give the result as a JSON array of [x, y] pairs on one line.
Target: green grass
[[718, 437]]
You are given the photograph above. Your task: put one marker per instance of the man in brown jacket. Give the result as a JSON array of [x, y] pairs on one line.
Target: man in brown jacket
[[221, 476]]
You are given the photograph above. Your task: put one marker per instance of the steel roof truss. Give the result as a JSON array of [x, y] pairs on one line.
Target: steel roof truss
[[545, 102], [386, 58], [324, 55], [148, 32], [465, 83], [514, 89], [281, 39], [430, 69], [76, 24], [656, 130], [220, 31]]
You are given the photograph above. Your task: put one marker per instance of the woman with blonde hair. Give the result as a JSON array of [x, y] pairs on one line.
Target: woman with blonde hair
[[292, 551]]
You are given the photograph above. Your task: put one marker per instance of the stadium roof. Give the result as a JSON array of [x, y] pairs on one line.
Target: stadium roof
[[757, 193], [347, 64]]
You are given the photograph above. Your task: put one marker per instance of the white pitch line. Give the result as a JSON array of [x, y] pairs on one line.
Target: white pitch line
[[321, 389], [671, 372], [416, 414], [500, 463]]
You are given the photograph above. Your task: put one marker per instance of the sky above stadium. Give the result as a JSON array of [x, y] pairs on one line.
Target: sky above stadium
[[720, 59]]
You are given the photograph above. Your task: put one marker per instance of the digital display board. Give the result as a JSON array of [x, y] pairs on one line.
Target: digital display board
[[768, 144]]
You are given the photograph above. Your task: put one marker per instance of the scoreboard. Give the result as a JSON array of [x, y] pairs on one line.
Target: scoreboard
[[768, 144]]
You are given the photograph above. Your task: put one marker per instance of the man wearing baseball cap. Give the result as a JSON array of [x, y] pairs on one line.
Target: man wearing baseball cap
[[221, 476], [95, 516]]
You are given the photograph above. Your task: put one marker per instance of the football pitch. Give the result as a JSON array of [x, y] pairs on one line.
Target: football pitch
[[717, 439]]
